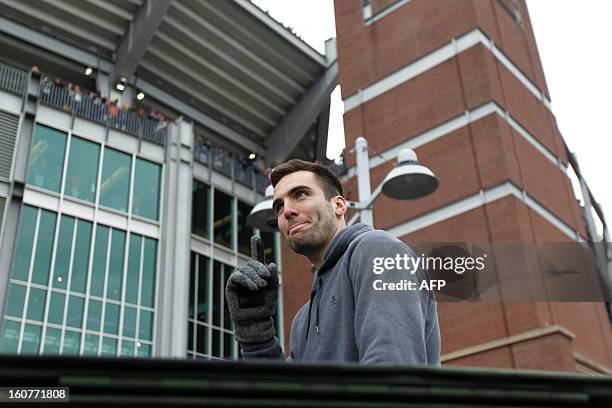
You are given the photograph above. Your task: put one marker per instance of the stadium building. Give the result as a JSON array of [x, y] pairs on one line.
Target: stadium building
[[136, 136], [122, 220]]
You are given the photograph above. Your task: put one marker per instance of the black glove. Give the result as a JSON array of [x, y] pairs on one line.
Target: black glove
[[251, 293]]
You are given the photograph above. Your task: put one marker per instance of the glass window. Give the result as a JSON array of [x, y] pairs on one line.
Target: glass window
[[145, 331], [202, 339], [91, 345], [131, 284], [94, 315], [217, 335], [56, 308], [109, 347], [203, 277], [129, 322], [228, 343], [82, 172], [74, 316], [147, 293], [15, 300], [190, 335], [244, 231], [216, 298], [192, 288], [44, 247], [115, 267], [146, 189], [200, 210], [36, 304], [31, 339], [23, 253], [127, 348], [46, 158], [269, 245], [222, 224], [72, 342], [98, 269], [63, 251], [52, 341], [143, 350], [80, 263], [227, 320], [10, 336], [115, 183], [111, 319]]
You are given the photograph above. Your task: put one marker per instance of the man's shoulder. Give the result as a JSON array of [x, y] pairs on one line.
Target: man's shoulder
[[375, 236]]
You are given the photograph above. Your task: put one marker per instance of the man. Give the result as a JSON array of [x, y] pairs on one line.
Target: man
[[349, 317]]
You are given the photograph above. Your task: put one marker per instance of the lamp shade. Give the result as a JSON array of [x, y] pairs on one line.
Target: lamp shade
[[262, 215], [409, 180]]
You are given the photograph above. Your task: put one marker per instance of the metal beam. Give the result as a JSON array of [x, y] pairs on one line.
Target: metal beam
[[138, 36], [52, 45], [294, 126], [76, 54]]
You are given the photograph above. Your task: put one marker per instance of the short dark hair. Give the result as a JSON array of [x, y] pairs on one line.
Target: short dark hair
[[330, 184]]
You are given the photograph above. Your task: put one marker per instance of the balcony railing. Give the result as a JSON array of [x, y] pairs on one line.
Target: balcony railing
[[223, 162], [12, 79], [92, 108]]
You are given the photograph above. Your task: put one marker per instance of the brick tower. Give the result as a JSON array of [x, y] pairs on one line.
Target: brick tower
[[461, 83]]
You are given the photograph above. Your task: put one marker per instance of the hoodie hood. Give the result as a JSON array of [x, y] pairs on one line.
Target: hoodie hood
[[340, 243]]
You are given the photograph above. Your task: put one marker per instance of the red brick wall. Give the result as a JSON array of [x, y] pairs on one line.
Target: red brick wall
[[476, 157]]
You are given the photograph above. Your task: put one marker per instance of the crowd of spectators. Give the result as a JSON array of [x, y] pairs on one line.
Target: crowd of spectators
[[116, 114]]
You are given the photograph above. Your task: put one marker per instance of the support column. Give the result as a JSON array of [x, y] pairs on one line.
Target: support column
[[175, 243], [103, 84]]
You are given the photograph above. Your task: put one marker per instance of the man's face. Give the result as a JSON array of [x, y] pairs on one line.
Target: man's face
[[305, 218]]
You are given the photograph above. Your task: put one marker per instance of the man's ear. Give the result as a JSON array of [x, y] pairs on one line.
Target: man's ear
[[341, 207]]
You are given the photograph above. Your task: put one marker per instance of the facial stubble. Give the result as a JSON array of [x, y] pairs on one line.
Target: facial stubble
[[319, 234]]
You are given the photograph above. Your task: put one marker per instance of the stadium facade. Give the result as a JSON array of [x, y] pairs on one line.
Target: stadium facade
[[122, 221], [135, 137]]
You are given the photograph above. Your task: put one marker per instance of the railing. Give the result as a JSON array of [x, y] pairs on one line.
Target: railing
[[92, 108], [12, 79], [178, 383], [223, 162]]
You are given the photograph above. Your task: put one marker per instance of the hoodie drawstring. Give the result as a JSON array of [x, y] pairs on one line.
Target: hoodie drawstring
[[316, 289]]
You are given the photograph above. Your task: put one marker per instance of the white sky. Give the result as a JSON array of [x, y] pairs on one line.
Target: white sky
[[572, 39]]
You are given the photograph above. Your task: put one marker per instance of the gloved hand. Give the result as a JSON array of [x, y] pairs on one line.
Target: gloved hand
[[251, 293]]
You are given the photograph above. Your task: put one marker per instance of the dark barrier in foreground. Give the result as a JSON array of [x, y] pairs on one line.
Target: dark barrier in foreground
[[98, 382]]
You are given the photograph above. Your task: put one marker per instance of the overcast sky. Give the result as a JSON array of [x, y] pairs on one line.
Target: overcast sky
[[573, 41]]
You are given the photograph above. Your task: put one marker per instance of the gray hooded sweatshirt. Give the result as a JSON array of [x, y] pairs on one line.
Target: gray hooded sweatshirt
[[354, 316]]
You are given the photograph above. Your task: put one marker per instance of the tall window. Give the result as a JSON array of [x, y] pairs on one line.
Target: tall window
[[245, 232], [115, 184], [146, 189], [82, 172], [78, 293], [45, 170], [199, 209], [222, 224], [210, 333], [46, 158]]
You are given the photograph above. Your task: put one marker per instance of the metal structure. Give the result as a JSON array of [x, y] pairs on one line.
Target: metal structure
[[182, 383], [229, 65]]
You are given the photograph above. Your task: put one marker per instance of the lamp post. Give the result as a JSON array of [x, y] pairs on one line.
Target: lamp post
[[408, 180]]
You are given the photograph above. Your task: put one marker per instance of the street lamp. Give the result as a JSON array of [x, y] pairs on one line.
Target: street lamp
[[407, 181]]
